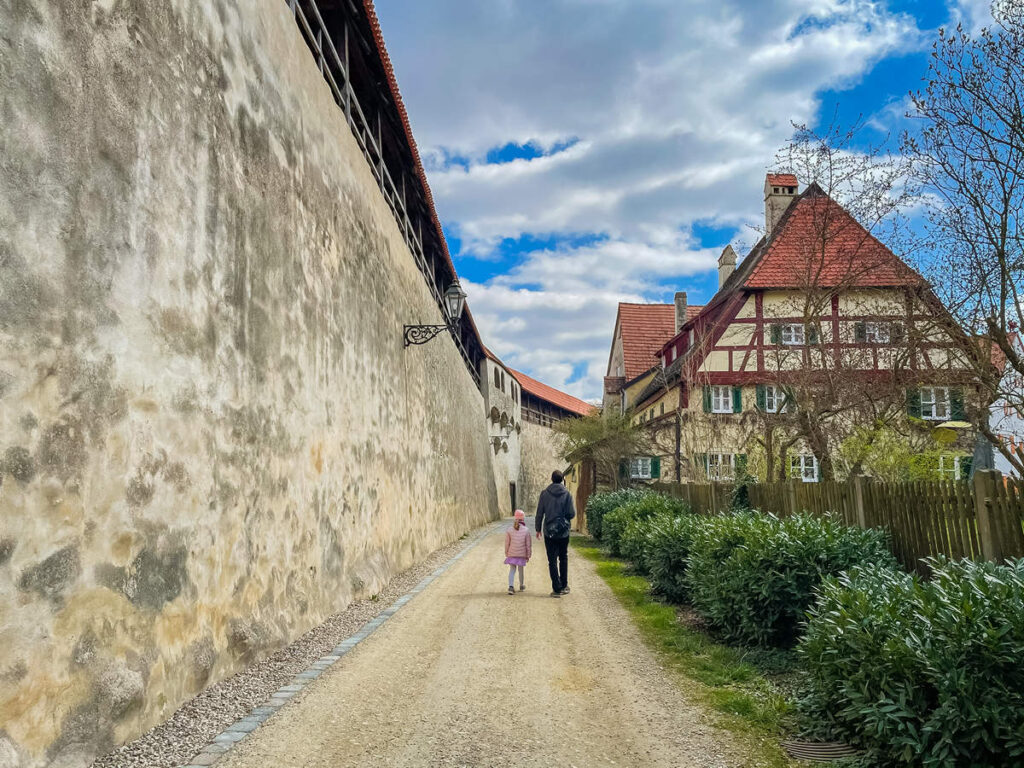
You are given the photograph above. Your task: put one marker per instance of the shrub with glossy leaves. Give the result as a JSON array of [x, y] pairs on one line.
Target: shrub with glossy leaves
[[922, 673], [667, 553], [643, 508], [600, 504], [752, 577]]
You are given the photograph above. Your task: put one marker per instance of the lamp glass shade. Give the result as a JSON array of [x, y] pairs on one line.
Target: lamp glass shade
[[454, 301]]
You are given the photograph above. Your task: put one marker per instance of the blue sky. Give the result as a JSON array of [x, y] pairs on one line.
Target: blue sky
[[586, 152]]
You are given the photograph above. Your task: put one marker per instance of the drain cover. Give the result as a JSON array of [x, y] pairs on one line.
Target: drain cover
[[818, 751]]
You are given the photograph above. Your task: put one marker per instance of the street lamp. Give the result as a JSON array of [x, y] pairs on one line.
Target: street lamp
[[454, 302]]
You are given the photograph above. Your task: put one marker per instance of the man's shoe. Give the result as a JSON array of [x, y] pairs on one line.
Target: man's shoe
[[511, 590], [556, 594], [565, 590], [522, 587]]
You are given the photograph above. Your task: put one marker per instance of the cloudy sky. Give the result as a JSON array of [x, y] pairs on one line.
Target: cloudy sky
[[586, 152]]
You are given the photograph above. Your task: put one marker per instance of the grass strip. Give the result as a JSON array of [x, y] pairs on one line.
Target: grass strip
[[724, 679]]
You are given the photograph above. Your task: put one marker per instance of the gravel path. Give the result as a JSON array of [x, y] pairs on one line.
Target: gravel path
[[466, 675], [190, 728]]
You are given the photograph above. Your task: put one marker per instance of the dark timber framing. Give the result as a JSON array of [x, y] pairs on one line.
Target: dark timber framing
[[341, 35]]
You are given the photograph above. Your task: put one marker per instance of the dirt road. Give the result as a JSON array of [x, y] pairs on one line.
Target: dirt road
[[466, 675]]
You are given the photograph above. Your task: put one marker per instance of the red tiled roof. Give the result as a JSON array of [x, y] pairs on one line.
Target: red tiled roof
[[817, 243], [645, 328], [552, 395], [782, 180]]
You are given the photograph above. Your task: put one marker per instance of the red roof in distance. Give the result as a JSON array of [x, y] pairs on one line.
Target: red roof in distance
[[645, 329], [819, 244], [552, 395], [782, 180]]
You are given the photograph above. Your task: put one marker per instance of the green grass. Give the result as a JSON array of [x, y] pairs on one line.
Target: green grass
[[736, 685]]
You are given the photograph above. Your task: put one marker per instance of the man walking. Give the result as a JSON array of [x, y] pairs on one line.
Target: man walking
[[554, 511]]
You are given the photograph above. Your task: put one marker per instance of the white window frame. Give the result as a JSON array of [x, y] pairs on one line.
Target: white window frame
[[640, 468], [804, 467], [946, 472], [719, 461], [793, 334], [774, 399], [717, 398], [877, 333], [934, 400]]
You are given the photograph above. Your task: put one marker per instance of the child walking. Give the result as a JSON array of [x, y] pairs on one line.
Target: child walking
[[518, 549]]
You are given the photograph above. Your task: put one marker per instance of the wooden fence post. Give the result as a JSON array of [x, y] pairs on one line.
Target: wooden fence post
[[791, 490], [858, 500], [984, 487]]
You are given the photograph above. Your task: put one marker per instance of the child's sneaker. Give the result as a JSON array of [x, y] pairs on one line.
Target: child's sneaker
[[511, 590], [522, 587]]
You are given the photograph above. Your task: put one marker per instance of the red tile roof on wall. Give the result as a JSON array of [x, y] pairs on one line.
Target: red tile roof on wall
[[552, 395], [645, 328], [782, 180], [818, 244]]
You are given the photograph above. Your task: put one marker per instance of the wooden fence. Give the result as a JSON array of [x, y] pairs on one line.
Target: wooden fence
[[981, 519]]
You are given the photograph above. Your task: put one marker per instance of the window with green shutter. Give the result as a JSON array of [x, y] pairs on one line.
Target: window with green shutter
[[914, 403], [860, 332], [655, 467], [966, 464], [775, 333], [956, 403], [737, 400], [707, 399], [760, 397], [812, 334]]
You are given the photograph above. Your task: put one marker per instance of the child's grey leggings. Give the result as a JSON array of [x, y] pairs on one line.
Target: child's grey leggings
[[512, 574]]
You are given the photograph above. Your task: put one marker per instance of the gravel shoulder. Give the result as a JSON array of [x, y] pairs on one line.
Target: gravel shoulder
[[466, 675], [195, 723]]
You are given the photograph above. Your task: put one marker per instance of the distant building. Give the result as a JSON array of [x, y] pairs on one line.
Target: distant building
[[1006, 419]]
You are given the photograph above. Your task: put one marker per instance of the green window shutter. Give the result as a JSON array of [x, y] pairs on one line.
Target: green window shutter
[[775, 331], [896, 333], [701, 460], [812, 334], [914, 403], [761, 400], [956, 404], [966, 462], [707, 399], [624, 469], [860, 332], [741, 465], [737, 400], [655, 467]]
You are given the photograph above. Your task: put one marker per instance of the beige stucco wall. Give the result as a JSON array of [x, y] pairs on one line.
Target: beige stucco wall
[[503, 419], [211, 436], [541, 448]]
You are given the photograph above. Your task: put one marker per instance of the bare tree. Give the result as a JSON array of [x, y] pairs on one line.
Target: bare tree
[[969, 155], [607, 439]]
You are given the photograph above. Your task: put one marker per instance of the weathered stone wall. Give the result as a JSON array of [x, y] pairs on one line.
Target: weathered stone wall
[[540, 456], [211, 436], [503, 416]]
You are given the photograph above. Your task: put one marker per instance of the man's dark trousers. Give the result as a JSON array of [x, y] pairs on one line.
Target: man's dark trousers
[[558, 562]]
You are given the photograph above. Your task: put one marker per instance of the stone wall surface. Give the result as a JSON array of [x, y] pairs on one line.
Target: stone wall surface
[[540, 448], [211, 436]]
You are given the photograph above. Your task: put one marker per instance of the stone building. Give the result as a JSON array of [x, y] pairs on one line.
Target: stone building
[[818, 336]]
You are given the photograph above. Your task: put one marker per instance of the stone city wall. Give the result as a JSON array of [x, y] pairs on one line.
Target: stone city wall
[[211, 436], [540, 448]]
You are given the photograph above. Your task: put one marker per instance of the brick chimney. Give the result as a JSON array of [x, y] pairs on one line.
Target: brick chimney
[[779, 191], [680, 309], [726, 265]]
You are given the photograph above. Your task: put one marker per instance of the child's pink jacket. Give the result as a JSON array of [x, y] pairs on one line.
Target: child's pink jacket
[[518, 543]]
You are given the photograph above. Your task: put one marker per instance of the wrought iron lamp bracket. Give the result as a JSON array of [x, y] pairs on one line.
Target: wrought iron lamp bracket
[[421, 334]]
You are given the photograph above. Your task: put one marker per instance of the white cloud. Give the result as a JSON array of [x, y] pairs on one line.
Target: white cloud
[[677, 106]]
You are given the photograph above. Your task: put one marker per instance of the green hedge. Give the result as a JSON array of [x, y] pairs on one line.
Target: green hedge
[[667, 553], [752, 577], [600, 504], [645, 507], [923, 673]]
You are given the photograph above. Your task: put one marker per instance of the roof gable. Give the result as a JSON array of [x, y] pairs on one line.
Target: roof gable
[[644, 329], [818, 244]]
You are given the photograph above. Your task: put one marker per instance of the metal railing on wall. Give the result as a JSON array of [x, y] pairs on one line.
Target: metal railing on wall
[[334, 67]]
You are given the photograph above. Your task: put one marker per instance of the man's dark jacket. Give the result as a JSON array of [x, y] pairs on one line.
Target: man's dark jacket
[[554, 511]]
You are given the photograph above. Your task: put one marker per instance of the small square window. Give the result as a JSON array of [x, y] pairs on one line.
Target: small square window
[[804, 467], [935, 403], [640, 468], [721, 466], [774, 399], [793, 334], [877, 333], [721, 399]]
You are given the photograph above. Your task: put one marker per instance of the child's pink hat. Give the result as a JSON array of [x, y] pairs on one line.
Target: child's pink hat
[[520, 515]]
